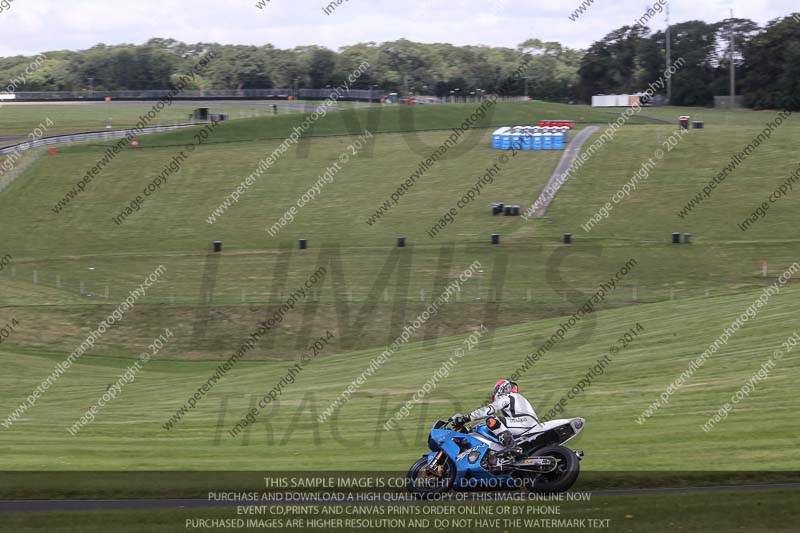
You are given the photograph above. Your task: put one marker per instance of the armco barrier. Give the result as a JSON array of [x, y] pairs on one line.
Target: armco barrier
[[366, 95], [90, 136]]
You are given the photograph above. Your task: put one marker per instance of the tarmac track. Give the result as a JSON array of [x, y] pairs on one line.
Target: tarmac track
[[15, 138], [556, 180]]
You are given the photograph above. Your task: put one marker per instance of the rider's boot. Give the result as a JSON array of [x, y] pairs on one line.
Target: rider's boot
[[507, 440]]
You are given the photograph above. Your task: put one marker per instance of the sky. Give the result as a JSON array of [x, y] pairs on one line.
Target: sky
[[32, 26]]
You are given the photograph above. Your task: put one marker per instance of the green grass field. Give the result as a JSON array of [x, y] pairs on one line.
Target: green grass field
[[71, 269], [129, 434], [61, 118]]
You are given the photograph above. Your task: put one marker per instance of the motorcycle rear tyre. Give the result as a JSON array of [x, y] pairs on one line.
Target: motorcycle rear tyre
[[569, 466]]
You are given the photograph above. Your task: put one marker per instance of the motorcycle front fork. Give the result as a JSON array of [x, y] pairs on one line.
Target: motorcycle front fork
[[436, 466]]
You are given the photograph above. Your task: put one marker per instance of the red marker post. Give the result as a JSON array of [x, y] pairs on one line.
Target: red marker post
[[764, 268], [53, 151]]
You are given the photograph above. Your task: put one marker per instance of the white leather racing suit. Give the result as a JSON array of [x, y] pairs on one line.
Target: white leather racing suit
[[514, 412]]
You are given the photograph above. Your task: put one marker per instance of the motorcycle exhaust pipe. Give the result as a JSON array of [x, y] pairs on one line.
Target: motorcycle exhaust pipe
[[540, 465]]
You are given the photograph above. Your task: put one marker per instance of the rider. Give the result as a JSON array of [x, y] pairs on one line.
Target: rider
[[510, 414]]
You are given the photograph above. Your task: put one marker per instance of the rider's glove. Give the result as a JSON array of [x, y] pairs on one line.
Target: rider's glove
[[459, 419]]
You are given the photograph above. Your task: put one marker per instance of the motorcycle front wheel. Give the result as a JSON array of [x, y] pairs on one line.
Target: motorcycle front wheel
[[422, 482]]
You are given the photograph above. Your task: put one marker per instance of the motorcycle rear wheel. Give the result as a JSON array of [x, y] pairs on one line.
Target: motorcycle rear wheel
[[422, 484], [562, 478]]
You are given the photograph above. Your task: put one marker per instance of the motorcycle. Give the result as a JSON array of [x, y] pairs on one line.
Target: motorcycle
[[464, 458]]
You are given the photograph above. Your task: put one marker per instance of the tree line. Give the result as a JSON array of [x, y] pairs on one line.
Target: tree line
[[627, 60]]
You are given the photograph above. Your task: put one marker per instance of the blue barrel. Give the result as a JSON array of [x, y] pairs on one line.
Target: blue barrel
[[506, 143], [537, 141], [527, 141], [565, 133], [497, 137], [547, 141], [558, 141]]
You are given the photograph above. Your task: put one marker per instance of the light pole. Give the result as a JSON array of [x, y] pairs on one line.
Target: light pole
[[669, 61]]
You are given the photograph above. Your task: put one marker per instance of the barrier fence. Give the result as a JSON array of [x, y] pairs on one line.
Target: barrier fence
[[93, 288], [366, 95], [355, 95], [81, 137]]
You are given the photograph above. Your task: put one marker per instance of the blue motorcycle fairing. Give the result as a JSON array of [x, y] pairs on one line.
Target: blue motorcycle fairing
[[486, 432], [469, 475]]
